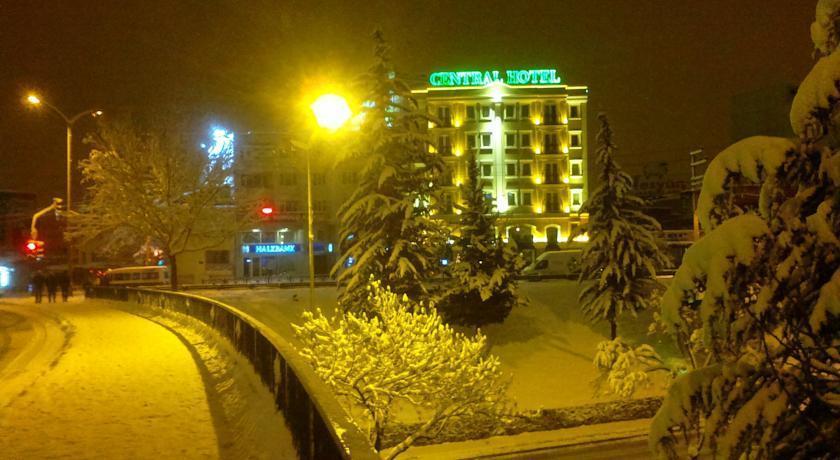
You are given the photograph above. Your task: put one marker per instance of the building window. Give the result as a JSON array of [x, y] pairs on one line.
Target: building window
[[551, 176], [524, 111], [552, 202], [526, 169], [488, 199], [444, 146], [576, 169], [486, 141], [349, 177], [470, 113], [287, 206], [287, 179], [511, 198], [575, 140], [487, 170], [485, 112], [471, 141], [526, 198], [550, 145], [319, 178], [577, 197], [510, 140], [574, 111], [445, 116], [319, 205], [510, 169], [219, 257], [550, 114], [525, 140], [510, 112]]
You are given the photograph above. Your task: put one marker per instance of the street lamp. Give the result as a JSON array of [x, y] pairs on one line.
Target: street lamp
[[331, 113], [35, 100]]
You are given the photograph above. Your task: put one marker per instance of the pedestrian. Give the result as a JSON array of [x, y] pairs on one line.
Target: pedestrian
[[52, 286], [64, 285], [38, 285]]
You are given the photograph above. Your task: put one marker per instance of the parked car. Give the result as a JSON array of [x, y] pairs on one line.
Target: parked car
[[554, 264]]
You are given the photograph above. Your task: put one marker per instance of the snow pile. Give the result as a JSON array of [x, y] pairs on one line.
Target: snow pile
[[755, 158], [707, 261], [816, 94]]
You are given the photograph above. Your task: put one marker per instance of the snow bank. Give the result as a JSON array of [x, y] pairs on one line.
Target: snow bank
[[753, 158], [815, 93], [709, 259]]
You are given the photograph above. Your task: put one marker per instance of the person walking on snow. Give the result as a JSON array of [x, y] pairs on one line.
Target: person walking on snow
[[38, 285], [52, 287], [64, 285]]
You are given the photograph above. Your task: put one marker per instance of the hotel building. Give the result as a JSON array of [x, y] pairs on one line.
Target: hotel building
[[527, 130]]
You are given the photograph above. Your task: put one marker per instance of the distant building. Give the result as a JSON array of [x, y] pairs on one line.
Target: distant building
[[16, 209], [528, 131], [763, 111]]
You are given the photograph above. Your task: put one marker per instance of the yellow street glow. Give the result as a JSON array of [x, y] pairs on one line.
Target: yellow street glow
[[33, 99], [331, 111]]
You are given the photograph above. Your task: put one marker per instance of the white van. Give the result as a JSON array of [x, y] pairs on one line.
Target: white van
[[137, 276], [554, 264]]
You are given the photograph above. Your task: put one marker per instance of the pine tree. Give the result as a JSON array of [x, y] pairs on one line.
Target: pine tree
[[386, 228], [483, 287], [624, 252], [755, 305]]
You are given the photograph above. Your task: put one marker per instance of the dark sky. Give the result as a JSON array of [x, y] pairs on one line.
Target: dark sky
[[664, 71]]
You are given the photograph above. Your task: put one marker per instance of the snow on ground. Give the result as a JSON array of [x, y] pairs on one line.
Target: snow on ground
[[120, 387], [547, 346]]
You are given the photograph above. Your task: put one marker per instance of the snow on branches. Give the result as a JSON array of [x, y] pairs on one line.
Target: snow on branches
[[402, 353]]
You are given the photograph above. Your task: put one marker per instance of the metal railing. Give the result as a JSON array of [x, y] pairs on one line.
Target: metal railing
[[320, 427]]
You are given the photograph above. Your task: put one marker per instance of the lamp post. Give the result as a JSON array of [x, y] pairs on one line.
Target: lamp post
[[331, 112], [34, 100]]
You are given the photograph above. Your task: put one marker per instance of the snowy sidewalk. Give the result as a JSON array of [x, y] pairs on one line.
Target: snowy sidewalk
[[101, 383]]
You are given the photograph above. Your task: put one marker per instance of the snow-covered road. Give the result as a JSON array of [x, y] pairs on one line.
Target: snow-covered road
[[83, 380]]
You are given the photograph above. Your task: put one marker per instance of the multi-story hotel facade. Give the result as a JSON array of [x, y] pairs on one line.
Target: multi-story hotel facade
[[527, 130]]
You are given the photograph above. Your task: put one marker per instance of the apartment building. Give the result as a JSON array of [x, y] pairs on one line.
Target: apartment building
[[527, 129]]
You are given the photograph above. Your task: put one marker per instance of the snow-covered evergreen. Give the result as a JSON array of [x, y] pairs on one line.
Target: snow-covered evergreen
[[755, 306], [402, 354], [483, 288], [622, 256], [386, 228]]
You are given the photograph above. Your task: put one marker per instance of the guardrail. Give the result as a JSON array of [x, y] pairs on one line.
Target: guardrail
[[320, 427]]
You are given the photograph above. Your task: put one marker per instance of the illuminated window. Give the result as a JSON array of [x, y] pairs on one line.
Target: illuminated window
[[551, 176], [576, 168], [526, 198], [471, 141], [525, 140], [511, 198], [510, 112], [575, 140], [510, 169], [526, 169], [510, 140], [550, 144], [524, 111], [485, 112], [487, 170], [471, 113], [444, 146], [552, 202], [445, 116], [550, 114], [488, 198], [574, 111], [577, 197], [486, 141]]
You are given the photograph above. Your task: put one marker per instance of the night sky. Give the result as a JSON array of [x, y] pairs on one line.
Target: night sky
[[665, 72]]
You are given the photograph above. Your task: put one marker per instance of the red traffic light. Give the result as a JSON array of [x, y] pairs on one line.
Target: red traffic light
[[31, 246], [267, 211], [34, 249]]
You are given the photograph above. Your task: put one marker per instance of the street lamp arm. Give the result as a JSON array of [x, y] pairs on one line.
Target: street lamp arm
[[59, 112], [82, 114]]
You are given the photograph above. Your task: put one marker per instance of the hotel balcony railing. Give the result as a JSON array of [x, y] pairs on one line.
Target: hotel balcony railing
[[550, 120], [445, 150], [551, 149]]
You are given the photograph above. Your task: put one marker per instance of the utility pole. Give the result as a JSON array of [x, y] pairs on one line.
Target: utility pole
[[697, 160]]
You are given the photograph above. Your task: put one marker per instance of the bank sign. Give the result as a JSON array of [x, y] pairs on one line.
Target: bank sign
[[270, 248], [482, 78]]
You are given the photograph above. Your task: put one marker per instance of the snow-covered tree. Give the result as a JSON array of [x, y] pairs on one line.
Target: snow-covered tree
[[755, 306], [482, 288], [148, 181], [403, 354], [620, 261], [386, 228]]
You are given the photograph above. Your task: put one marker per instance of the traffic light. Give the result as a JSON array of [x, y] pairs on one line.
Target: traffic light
[[267, 211], [34, 249]]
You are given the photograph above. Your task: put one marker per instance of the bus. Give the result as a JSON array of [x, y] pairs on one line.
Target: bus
[[137, 276]]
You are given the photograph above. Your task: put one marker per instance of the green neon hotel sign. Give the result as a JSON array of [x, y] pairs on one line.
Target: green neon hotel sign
[[510, 77]]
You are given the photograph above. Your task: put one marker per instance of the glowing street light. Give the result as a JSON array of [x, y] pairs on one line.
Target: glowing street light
[[331, 111], [36, 101]]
